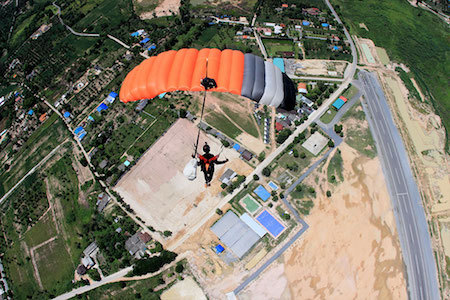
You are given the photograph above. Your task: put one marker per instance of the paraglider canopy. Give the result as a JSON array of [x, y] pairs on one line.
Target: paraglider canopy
[[227, 71]]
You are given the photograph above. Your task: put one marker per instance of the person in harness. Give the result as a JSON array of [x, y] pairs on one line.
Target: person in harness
[[207, 162]]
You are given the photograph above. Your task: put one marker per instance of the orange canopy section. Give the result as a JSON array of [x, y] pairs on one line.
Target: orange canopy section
[[184, 70]]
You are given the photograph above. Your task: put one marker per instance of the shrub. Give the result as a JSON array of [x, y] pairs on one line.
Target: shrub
[[219, 212], [167, 233], [328, 194]]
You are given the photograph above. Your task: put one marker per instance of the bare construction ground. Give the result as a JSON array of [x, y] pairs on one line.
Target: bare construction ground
[[158, 191], [350, 251], [316, 67]]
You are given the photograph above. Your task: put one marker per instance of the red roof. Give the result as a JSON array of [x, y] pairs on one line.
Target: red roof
[[343, 98], [284, 5], [278, 126], [245, 37], [301, 85], [43, 117]]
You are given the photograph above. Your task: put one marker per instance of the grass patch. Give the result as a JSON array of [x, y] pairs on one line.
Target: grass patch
[[335, 168], [221, 123], [41, 231], [47, 137], [141, 6], [421, 42], [19, 34], [55, 266], [413, 93], [244, 121], [328, 116], [358, 133], [274, 47], [350, 92]]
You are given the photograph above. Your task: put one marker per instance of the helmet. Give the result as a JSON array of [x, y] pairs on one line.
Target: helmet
[[206, 148]]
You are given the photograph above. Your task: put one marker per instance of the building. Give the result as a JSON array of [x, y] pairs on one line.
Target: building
[[111, 97], [228, 176], [339, 102], [101, 107], [301, 88], [135, 245], [103, 164], [87, 262], [247, 155], [235, 234], [102, 200], [81, 270], [142, 104], [91, 249]]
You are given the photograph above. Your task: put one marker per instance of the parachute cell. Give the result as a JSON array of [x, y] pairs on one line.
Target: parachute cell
[[247, 75]]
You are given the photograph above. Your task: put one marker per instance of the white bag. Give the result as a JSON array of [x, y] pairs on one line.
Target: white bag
[[190, 170]]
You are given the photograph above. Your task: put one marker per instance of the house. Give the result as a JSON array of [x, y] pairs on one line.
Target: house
[[277, 29], [142, 104], [136, 246], [90, 249], [284, 5], [190, 116], [145, 237], [43, 117], [247, 155], [288, 54], [103, 164], [301, 88], [111, 97], [306, 101], [228, 176], [87, 262], [102, 200], [144, 41], [313, 11], [81, 270], [278, 126]]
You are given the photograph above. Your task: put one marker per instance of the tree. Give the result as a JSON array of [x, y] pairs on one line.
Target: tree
[[311, 190], [330, 143], [255, 177], [283, 135], [179, 268], [295, 152], [262, 156], [167, 233], [266, 171], [219, 212], [299, 188], [302, 155], [328, 194], [225, 143], [338, 128]]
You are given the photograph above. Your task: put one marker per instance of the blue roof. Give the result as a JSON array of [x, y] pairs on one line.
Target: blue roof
[[272, 185], [113, 94], [101, 107], [144, 41], [338, 103], [67, 114], [81, 136], [219, 249], [279, 62], [236, 147], [161, 95], [126, 163], [90, 118], [270, 223], [30, 112], [151, 47], [335, 47], [135, 34], [262, 193], [325, 25], [305, 23], [78, 130]]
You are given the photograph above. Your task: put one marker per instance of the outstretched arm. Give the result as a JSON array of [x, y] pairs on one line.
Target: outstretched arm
[[221, 162]]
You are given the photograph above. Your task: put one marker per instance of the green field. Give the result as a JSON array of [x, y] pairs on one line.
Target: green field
[[41, 231], [350, 92], [421, 42], [55, 266], [221, 123], [274, 46], [335, 167], [47, 137], [328, 116], [245, 121], [358, 137], [250, 204]]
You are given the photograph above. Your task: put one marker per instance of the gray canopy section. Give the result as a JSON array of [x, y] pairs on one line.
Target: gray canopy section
[[258, 86], [249, 75], [270, 83], [279, 94], [253, 81]]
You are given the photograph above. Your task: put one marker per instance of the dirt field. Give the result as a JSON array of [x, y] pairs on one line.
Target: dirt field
[[165, 8], [320, 67], [158, 191], [187, 289], [350, 251]]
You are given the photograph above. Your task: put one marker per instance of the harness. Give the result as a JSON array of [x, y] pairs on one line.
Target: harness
[[207, 162]]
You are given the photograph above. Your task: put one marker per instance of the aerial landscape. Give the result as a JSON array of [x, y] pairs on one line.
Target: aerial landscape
[[224, 149]]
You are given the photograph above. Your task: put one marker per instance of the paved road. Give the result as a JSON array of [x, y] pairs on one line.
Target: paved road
[[96, 284], [69, 28], [409, 212]]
